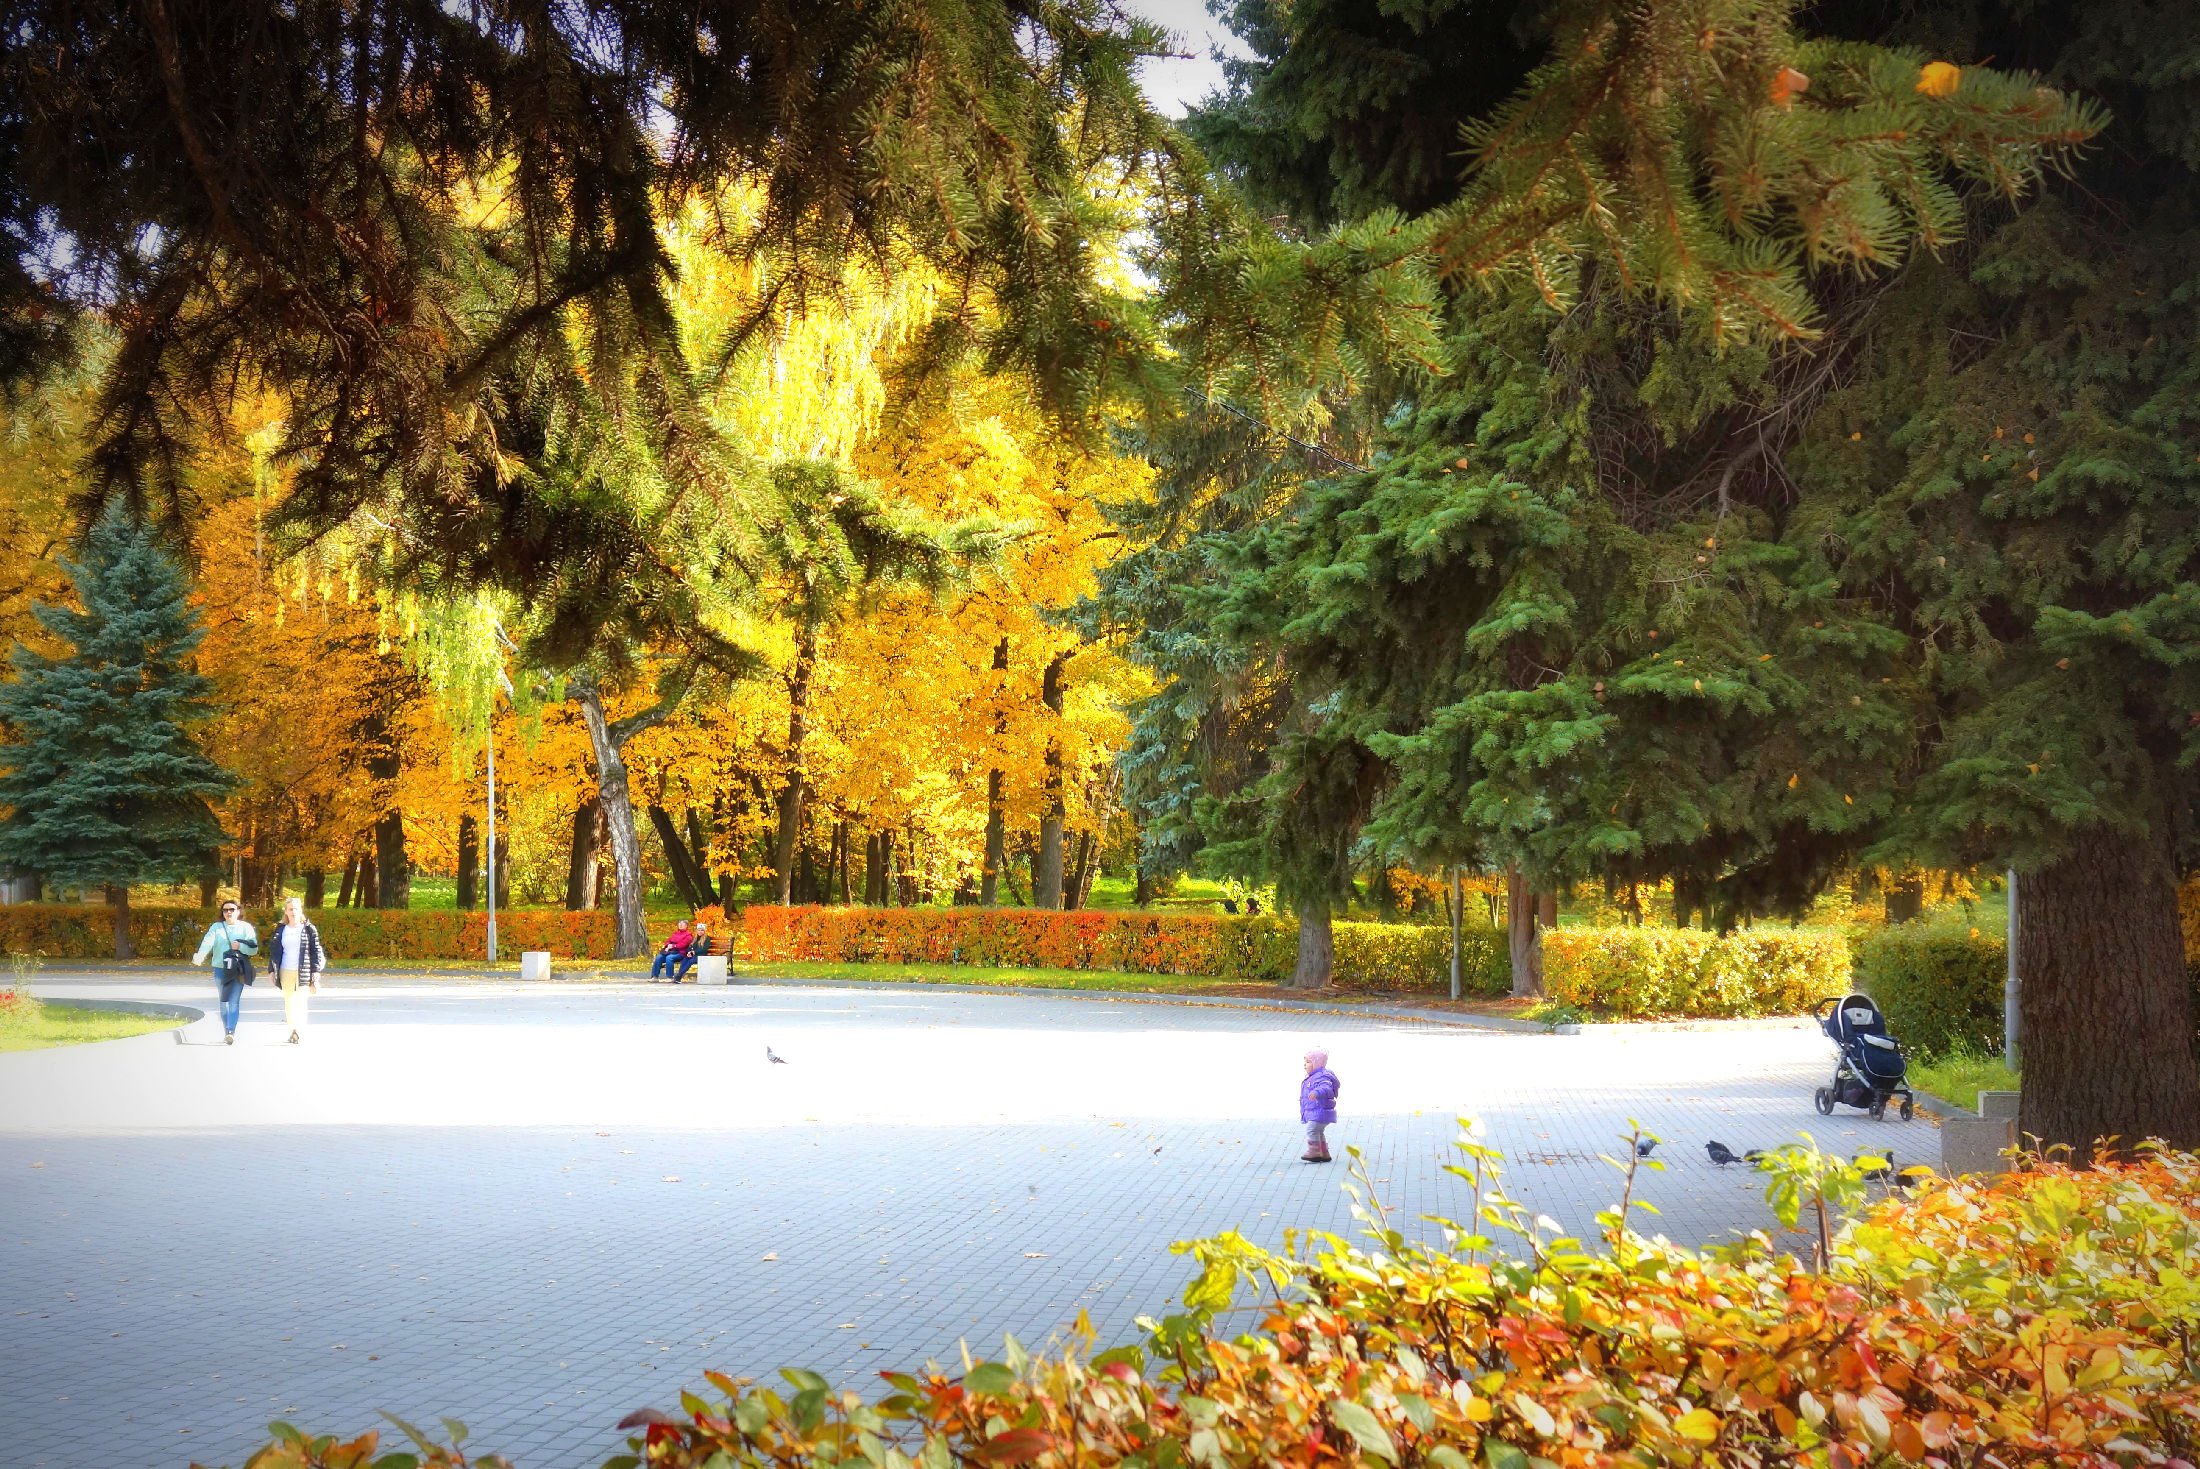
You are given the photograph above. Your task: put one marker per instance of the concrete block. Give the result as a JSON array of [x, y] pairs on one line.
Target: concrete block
[[711, 969], [535, 964], [1976, 1144], [1998, 1104]]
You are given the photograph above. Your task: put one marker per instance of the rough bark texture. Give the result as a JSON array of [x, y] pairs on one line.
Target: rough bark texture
[[368, 893], [392, 865], [632, 938], [580, 868], [316, 886], [1520, 929], [797, 787], [120, 898], [1046, 866], [469, 858], [996, 803], [871, 884], [1317, 948], [2107, 1011]]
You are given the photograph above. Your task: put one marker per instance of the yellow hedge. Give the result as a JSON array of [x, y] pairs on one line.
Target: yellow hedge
[[1629, 972]]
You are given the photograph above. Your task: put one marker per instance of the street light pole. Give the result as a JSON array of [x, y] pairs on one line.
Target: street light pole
[[492, 848], [2011, 986]]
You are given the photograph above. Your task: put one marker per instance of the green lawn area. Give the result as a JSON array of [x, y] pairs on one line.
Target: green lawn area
[[1961, 1077], [35, 1026]]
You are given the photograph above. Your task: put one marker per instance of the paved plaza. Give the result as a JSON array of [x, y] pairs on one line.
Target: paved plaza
[[536, 1208]]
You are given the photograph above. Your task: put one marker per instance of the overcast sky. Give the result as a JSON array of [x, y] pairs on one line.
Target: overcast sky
[[1171, 84]]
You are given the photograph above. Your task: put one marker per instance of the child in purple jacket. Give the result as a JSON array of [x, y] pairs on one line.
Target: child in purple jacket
[[1318, 1105]]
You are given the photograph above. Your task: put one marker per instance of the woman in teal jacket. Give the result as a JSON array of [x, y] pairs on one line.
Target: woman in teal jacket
[[226, 935]]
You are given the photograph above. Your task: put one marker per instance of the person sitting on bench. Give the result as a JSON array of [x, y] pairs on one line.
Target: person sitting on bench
[[698, 946]]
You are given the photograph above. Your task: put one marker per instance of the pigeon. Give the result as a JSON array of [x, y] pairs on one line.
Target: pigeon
[[1720, 1153], [1646, 1147], [774, 1057]]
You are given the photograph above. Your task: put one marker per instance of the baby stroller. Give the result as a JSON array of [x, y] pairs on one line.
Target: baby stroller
[[1871, 1070]]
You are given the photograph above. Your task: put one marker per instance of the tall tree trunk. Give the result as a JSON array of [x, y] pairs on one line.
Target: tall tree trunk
[[1143, 893], [632, 934], [870, 871], [316, 886], [119, 896], [693, 885], [351, 877], [1080, 882], [1520, 927], [502, 877], [996, 783], [1046, 867], [2106, 1004], [580, 868], [888, 885], [1317, 947], [392, 866], [836, 862], [698, 843], [906, 878], [369, 892], [469, 858], [1905, 899], [792, 793], [1546, 911], [210, 888]]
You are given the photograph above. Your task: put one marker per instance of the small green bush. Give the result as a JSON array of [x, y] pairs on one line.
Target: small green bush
[[1630, 972], [1940, 984]]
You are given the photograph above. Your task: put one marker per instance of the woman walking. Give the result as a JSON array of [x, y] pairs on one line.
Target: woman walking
[[298, 959], [231, 942]]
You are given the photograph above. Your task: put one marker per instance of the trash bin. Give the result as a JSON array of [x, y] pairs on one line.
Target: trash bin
[[711, 969]]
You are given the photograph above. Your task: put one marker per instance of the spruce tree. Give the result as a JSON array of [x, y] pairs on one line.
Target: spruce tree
[[100, 779]]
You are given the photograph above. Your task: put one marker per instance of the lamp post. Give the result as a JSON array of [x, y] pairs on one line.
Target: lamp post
[[2011, 986], [490, 851]]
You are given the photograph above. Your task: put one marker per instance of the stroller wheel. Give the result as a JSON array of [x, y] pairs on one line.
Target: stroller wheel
[[1909, 1109], [1878, 1107], [1823, 1100]]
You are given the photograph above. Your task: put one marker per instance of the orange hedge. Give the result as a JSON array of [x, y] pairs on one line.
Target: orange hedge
[[1369, 956], [73, 931]]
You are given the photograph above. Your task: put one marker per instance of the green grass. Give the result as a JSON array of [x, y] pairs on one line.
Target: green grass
[[1959, 1078], [35, 1026]]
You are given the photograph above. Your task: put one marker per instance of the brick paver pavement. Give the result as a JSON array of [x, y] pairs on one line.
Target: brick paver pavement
[[536, 1208]]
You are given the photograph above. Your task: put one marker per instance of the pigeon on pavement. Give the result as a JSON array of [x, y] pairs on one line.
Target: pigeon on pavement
[[1720, 1153], [773, 1057]]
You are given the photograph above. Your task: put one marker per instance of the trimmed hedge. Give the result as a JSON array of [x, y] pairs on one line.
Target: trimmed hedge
[[1369, 956], [1638, 972], [2035, 1318], [1940, 985], [74, 931]]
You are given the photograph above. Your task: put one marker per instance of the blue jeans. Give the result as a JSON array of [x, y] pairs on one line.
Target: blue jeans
[[667, 963], [232, 1002], [686, 966]]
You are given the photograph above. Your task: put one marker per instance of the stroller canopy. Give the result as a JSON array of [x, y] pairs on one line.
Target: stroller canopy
[[1854, 1018]]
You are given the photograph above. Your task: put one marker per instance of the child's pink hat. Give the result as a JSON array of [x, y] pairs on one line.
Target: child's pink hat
[[1318, 1056]]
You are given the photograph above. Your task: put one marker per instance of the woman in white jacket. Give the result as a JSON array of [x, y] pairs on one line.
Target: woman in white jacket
[[228, 935]]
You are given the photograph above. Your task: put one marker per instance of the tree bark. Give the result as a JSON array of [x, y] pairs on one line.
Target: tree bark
[[392, 867], [1905, 899], [798, 733], [1143, 893], [836, 862], [694, 886], [1317, 947], [1520, 930], [369, 891], [1080, 881], [870, 871], [119, 896], [469, 857], [1046, 867], [316, 886], [210, 888], [2106, 1003], [632, 934], [886, 868], [351, 877], [996, 802], [907, 880], [580, 868], [503, 874]]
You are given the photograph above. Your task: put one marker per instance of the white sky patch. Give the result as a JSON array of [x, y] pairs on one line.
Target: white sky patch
[[1173, 84]]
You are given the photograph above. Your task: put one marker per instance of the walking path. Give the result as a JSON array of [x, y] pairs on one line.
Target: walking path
[[538, 1207]]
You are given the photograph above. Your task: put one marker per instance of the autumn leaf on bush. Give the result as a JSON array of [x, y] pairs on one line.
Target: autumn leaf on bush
[[1939, 79]]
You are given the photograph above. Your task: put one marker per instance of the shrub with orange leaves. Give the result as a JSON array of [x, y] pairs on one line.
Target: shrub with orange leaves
[[2045, 1317]]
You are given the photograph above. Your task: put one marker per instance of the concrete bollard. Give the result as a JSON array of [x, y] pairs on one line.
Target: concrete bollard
[[1976, 1144], [711, 969], [534, 964]]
